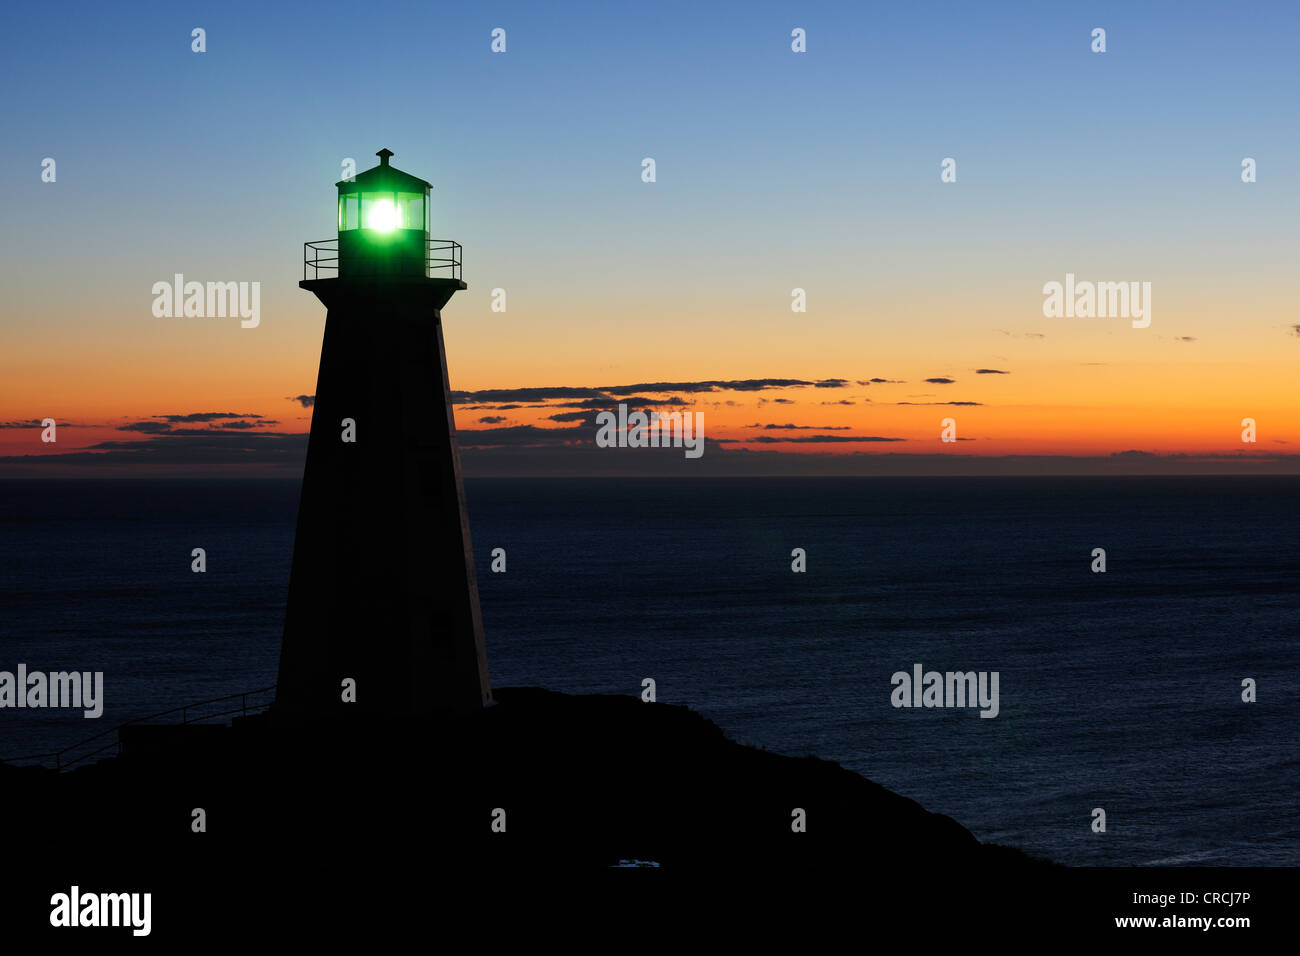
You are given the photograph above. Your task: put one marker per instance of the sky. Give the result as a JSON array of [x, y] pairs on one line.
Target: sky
[[774, 171]]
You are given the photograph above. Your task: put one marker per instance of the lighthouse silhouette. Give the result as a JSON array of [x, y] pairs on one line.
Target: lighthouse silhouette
[[383, 613]]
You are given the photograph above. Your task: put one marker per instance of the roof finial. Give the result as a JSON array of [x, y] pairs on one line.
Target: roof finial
[[383, 155]]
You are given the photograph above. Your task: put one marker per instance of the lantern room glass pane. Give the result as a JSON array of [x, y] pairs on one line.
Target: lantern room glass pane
[[349, 212], [411, 210]]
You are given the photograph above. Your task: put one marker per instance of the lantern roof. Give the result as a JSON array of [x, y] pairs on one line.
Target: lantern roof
[[384, 176]]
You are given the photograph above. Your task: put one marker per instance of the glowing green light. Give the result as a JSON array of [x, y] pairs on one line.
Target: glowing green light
[[382, 216]]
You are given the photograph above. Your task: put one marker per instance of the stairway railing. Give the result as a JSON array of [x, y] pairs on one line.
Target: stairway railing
[[62, 763]]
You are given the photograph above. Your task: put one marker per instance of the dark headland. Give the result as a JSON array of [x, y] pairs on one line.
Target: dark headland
[[372, 827], [585, 782]]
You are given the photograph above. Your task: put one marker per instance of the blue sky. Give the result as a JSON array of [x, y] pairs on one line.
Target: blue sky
[[774, 170]]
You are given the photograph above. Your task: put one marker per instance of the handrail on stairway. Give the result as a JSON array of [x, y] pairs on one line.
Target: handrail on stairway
[[183, 710]]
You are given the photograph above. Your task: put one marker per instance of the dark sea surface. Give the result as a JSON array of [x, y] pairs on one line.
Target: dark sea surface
[[1119, 690]]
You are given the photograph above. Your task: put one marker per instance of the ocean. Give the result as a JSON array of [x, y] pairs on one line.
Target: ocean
[[1119, 690]]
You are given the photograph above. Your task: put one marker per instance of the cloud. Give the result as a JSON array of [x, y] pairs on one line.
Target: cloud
[[214, 419], [882, 381], [492, 419], [941, 381], [538, 394], [672, 400], [307, 401], [1295, 330], [808, 439], [990, 371], [732, 385], [604, 393], [568, 417], [827, 428], [205, 416], [937, 403], [36, 423], [192, 448], [1184, 338], [610, 401]]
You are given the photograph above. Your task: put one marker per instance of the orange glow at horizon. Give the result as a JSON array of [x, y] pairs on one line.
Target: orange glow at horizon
[[1039, 387]]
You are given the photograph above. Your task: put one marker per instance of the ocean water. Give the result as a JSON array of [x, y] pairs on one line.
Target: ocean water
[[1119, 690]]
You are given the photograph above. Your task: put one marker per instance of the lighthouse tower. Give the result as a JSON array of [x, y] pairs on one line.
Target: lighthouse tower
[[383, 611]]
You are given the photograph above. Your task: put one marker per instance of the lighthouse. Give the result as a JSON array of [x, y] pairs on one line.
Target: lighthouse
[[383, 613]]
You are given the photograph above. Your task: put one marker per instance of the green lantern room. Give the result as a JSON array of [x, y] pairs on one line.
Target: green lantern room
[[383, 223]]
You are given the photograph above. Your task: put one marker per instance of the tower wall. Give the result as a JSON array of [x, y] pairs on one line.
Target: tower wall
[[383, 588]]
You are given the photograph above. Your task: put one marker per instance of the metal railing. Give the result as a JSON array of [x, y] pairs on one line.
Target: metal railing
[[446, 266], [321, 258], [326, 259], [61, 761]]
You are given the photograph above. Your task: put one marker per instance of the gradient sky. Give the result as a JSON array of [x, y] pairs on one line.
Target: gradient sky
[[775, 171]]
